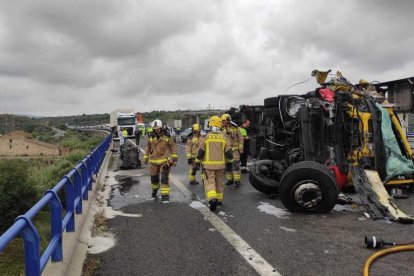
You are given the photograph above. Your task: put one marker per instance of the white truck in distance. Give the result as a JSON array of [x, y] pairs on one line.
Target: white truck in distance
[[177, 124], [123, 118]]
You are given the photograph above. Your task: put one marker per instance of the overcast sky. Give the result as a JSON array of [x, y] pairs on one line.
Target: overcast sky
[[72, 57]]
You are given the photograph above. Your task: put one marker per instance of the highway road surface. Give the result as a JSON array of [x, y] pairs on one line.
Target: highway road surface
[[251, 234]]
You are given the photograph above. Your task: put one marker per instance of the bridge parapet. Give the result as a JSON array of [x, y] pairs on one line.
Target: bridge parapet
[[76, 184]]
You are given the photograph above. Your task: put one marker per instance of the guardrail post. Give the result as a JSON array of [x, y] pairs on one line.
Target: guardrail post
[[91, 159], [90, 172], [70, 203], [56, 224], [84, 179], [78, 190], [31, 247], [95, 162]]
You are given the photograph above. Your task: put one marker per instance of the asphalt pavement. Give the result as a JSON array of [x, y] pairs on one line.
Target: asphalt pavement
[[251, 234]]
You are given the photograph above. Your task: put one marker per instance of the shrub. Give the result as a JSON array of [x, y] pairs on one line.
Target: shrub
[[17, 195]]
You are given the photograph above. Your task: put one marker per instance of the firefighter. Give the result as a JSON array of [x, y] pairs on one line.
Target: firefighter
[[236, 140], [149, 131], [246, 139], [161, 153], [191, 150], [125, 133], [213, 153]]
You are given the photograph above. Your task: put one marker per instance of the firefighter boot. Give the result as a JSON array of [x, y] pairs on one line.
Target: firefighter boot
[[193, 182], [154, 193], [213, 204], [237, 183], [229, 182], [165, 199]]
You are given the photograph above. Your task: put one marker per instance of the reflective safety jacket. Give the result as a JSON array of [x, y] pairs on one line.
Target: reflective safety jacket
[[235, 137], [243, 132], [160, 149], [214, 151], [124, 133], [192, 146]]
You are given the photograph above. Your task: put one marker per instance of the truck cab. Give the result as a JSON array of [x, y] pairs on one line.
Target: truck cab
[[123, 119]]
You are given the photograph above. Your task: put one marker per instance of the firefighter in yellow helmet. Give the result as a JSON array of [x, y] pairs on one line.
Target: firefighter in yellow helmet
[[213, 153], [161, 153], [236, 140], [191, 150]]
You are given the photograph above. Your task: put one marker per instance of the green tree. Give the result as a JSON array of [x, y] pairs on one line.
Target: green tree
[[16, 193]]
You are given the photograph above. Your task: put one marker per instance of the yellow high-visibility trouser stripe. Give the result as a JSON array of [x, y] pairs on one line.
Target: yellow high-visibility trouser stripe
[[219, 196], [165, 191], [211, 195], [158, 161], [229, 176], [155, 186], [236, 176], [190, 176]]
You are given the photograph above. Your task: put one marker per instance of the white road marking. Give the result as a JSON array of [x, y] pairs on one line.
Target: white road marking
[[245, 250], [287, 229]]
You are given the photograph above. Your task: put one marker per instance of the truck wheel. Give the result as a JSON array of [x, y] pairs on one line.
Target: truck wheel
[[271, 112], [271, 102], [308, 187], [264, 175]]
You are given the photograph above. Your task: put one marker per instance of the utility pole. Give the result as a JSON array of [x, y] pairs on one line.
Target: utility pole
[[6, 123]]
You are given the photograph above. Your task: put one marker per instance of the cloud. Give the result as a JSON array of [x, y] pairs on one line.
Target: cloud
[[74, 57]]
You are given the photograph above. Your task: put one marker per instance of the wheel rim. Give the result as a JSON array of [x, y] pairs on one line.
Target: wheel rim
[[307, 194], [266, 171]]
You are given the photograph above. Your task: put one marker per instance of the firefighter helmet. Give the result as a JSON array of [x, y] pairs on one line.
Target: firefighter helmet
[[214, 121], [156, 124], [226, 117], [196, 127]]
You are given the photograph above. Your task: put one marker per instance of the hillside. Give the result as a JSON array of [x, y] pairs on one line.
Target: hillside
[[15, 122]]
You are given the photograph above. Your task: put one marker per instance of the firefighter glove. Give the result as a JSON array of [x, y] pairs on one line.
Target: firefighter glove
[[190, 161]]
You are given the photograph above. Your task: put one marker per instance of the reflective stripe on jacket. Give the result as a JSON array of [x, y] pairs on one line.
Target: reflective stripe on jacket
[[160, 149], [214, 150], [235, 137], [192, 146]]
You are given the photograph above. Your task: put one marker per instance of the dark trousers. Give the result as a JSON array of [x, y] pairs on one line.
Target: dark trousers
[[245, 154]]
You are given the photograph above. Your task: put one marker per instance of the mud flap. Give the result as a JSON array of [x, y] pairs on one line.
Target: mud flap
[[375, 198]]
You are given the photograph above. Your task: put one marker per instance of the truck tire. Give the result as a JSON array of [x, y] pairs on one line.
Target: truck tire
[[271, 112], [308, 187], [271, 102], [259, 175]]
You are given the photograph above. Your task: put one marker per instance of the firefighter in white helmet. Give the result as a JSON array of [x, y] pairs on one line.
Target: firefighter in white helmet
[[191, 149], [161, 153], [236, 139], [213, 153]]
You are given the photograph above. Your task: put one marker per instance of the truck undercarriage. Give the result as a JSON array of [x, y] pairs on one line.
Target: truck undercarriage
[[312, 141]]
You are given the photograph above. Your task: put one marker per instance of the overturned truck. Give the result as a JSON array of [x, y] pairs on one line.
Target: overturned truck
[[318, 142]]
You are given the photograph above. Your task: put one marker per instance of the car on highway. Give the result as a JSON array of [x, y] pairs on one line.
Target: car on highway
[[184, 134], [171, 132]]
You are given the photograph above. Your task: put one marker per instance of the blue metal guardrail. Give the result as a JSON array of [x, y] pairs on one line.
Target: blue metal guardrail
[[77, 183]]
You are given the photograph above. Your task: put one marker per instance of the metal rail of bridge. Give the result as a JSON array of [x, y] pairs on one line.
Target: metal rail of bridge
[[76, 184]]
